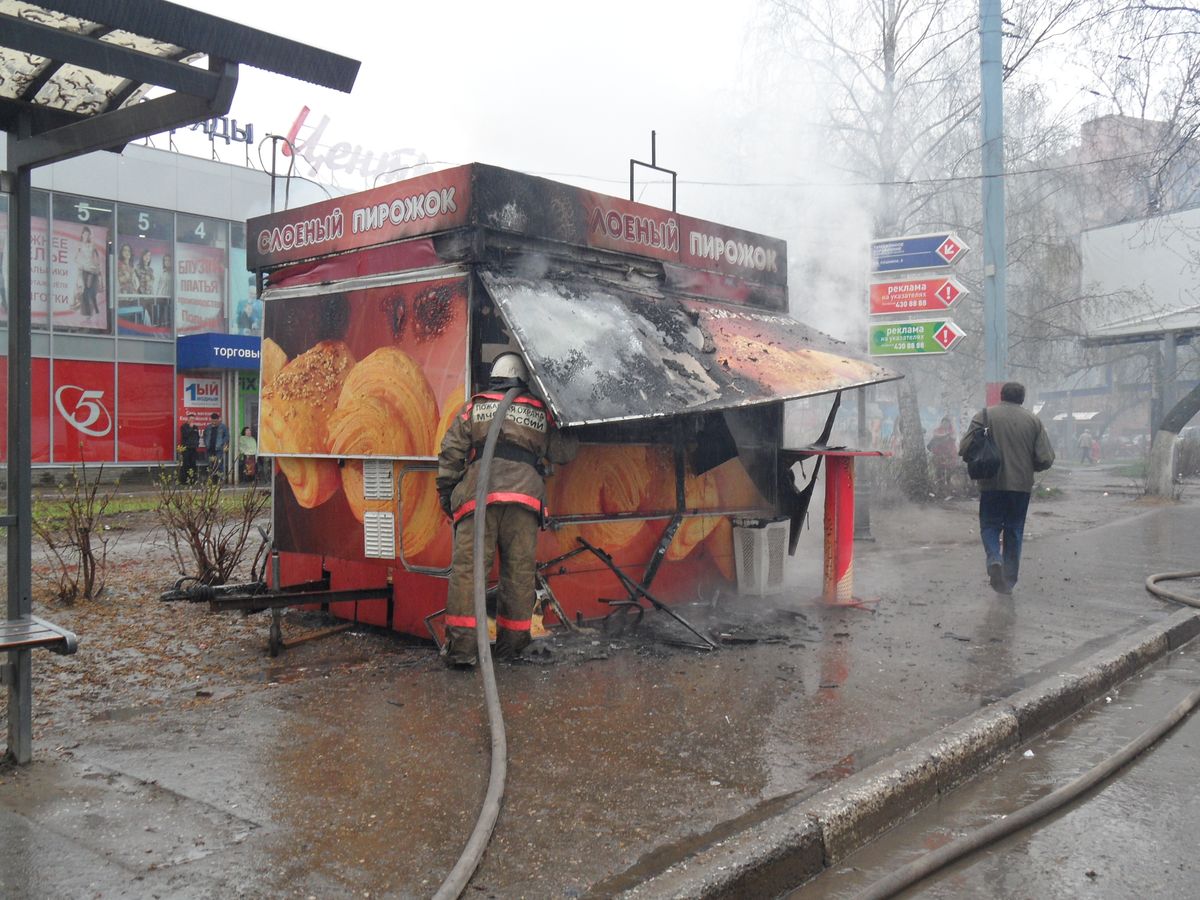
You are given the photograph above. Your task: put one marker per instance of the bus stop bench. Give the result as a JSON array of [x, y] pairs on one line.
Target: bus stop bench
[[29, 632]]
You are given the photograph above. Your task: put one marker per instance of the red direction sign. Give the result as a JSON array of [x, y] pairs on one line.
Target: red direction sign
[[948, 335], [915, 295], [949, 249]]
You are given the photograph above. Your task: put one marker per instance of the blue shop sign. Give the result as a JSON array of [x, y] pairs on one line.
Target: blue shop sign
[[217, 351]]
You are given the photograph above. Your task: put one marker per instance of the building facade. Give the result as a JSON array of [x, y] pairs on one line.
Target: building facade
[[143, 311]]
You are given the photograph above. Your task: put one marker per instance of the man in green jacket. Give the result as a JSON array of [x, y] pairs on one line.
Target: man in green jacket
[[1003, 500]]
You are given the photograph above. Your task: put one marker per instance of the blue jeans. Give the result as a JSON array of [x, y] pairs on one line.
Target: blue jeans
[[1001, 525]]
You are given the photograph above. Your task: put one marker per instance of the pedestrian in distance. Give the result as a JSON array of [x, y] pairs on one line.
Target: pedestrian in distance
[[1085, 446], [216, 443], [189, 444], [1024, 449], [515, 510], [247, 456]]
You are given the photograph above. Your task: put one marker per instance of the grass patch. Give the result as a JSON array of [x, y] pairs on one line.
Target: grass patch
[[1130, 470], [1042, 492], [54, 512]]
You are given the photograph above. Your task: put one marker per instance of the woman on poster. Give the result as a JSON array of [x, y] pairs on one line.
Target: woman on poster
[[88, 274], [127, 282], [145, 275]]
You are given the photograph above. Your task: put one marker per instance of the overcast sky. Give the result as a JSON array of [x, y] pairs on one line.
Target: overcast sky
[[532, 85]]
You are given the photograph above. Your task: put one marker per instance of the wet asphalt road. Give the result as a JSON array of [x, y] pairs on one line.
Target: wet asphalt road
[[356, 766], [1137, 835]]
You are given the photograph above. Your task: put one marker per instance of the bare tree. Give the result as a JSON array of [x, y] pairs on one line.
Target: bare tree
[[901, 88]]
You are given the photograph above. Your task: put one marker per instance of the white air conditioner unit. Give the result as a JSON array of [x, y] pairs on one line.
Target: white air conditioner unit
[[759, 550]]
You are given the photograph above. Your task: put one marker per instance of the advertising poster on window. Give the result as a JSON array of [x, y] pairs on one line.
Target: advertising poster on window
[[39, 431], [200, 288], [82, 410], [79, 276], [40, 274], [199, 398], [144, 419], [145, 285]]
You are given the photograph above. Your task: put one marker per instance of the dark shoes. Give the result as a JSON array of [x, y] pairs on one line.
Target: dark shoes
[[458, 658], [999, 583]]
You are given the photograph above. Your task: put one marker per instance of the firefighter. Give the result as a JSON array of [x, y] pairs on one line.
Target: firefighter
[[515, 511]]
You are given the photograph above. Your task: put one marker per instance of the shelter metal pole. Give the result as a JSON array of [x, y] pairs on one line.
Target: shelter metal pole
[[995, 319], [862, 496], [20, 531]]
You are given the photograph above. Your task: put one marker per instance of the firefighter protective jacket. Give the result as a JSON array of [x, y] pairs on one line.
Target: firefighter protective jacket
[[527, 436]]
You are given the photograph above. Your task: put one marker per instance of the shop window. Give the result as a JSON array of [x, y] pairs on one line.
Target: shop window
[[201, 254], [245, 309], [145, 271], [79, 261], [39, 256]]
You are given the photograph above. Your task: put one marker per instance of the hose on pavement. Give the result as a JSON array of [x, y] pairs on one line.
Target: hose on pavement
[[1152, 587], [468, 862], [920, 869]]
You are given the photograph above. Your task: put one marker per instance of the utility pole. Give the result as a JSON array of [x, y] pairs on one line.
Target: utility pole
[[995, 318]]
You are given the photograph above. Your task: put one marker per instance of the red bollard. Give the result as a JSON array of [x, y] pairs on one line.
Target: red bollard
[[838, 589]]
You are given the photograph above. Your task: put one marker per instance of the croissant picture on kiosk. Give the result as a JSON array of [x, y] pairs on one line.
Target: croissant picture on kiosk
[[356, 375]]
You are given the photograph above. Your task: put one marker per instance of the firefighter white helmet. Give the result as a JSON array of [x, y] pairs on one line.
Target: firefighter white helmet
[[509, 366]]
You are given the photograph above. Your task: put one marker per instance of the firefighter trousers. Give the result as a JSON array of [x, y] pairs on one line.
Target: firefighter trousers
[[513, 529]]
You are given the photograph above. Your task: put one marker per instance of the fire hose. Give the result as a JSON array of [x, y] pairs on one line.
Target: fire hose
[[925, 866], [456, 881]]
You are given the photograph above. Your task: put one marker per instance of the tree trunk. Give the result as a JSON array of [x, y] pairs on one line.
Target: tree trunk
[[914, 467], [1160, 478]]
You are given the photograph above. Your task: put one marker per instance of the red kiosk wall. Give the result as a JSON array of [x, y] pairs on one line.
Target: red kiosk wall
[[347, 575]]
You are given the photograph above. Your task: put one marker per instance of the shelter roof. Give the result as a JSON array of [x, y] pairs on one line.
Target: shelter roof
[[1146, 327], [65, 61]]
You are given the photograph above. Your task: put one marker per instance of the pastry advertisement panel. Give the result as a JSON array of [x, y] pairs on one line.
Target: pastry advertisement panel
[[354, 375]]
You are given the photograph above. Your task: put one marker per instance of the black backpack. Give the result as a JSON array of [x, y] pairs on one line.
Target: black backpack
[[983, 456]]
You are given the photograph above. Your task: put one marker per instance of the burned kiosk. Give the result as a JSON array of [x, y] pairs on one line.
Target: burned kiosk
[[664, 340]]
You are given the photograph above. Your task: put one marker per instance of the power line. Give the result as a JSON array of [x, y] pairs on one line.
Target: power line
[[949, 179]]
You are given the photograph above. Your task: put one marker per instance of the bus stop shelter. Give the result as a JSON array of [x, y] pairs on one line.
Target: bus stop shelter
[[78, 76]]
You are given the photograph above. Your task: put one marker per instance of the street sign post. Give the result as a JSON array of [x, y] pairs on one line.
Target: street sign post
[[912, 338], [915, 296], [917, 251]]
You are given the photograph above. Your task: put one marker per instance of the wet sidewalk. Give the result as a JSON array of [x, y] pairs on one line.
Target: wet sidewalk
[[356, 767]]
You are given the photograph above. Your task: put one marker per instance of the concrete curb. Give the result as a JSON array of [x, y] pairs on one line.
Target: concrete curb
[[797, 844]]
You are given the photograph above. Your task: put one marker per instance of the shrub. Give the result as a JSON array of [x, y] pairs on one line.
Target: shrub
[[71, 528], [209, 528]]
